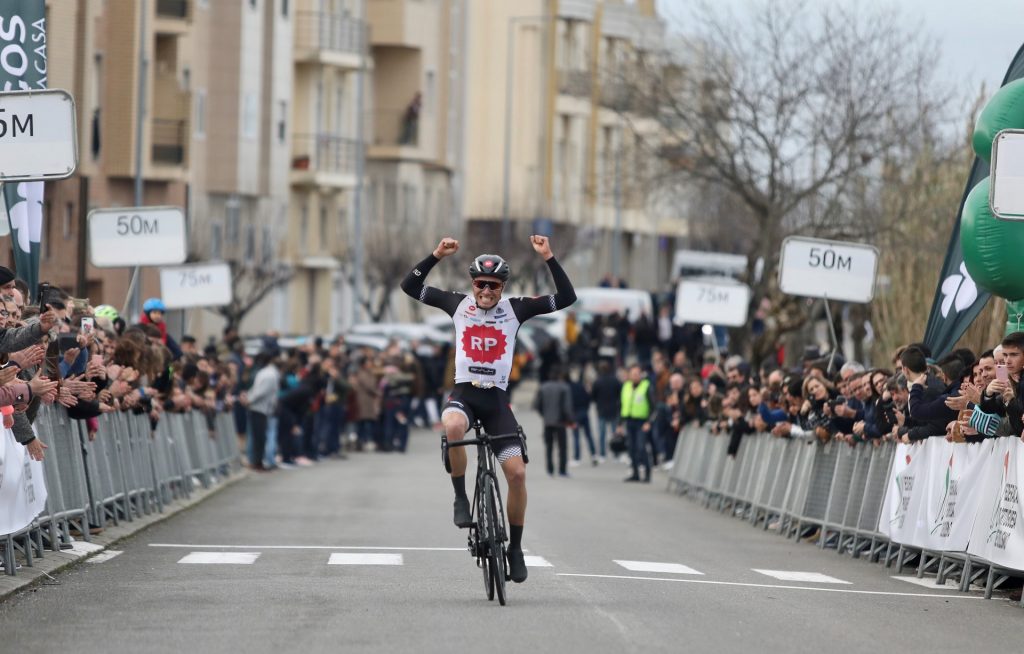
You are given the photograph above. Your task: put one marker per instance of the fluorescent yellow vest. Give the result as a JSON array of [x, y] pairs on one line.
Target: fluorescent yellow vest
[[634, 400]]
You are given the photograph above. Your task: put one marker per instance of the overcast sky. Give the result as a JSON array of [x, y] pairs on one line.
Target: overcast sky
[[978, 37]]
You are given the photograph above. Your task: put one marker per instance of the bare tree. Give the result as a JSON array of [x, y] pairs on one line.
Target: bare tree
[[789, 112], [250, 283]]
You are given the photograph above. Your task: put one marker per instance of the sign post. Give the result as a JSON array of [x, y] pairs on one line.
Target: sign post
[[199, 285], [830, 270], [1006, 192], [38, 136], [137, 236], [712, 302]]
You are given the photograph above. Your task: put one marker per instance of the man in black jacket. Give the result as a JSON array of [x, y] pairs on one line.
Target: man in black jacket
[[924, 390], [606, 394]]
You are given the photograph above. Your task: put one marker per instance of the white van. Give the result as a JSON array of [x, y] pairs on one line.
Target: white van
[[603, 301]]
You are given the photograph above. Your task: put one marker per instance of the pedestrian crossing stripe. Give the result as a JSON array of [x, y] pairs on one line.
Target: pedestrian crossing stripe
[[537, 562], [806, 577], [651, 566], [229, 558], [355, 558]]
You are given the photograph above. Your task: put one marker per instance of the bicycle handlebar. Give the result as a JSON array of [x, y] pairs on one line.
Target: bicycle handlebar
[[483, 440]]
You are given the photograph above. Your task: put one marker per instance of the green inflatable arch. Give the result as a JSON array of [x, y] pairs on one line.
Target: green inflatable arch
[[1004, 111], [992, 248]]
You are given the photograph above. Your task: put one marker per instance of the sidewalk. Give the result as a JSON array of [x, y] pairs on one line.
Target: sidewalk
[[53, 562]]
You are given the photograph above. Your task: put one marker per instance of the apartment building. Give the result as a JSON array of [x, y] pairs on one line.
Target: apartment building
[[413, 132], [216, 139], [554, 141]]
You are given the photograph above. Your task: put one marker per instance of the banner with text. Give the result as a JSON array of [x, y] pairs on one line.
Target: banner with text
[[998, 534], [23, 68], [22, 486]]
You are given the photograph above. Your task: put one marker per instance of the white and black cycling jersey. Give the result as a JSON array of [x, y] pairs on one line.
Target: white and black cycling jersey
[[485, 338]]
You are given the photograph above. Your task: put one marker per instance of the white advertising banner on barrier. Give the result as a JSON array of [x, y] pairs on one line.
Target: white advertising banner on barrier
[[998, 534], [901, 502], [950, 494], [22, 488]]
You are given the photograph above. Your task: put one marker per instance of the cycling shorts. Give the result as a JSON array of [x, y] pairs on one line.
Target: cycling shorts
[[492, 408]]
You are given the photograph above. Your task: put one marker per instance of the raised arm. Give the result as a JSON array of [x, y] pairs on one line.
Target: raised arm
[[564, 295], [413, 283]]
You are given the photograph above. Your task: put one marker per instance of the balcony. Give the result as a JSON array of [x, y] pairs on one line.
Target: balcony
[[574, 82], [326, 38], [168, 142], [172, 16], [615, 95], [396, 134], [399, 22], [324, 160]]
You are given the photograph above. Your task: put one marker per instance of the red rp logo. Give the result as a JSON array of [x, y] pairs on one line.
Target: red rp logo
[[483, 344]]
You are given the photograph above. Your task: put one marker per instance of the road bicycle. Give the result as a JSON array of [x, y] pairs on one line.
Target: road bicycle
[[487, 534]]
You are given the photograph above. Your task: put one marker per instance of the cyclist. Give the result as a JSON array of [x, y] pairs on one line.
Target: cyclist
[[485, 333]]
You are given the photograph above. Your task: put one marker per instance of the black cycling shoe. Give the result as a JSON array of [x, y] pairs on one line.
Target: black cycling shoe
[[516, 566], [463, 518]]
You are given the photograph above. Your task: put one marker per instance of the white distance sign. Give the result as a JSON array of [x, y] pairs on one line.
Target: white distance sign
[[712, 302], [38, 135], [201, 285], [137, 236], [1006, 192], [835, 270]]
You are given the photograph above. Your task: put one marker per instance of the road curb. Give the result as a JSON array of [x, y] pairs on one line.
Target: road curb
[[54, 562]]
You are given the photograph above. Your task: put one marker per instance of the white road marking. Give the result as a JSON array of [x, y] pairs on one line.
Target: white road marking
[[309, 547], [236, 558], [929, 582], [806, 577], [649, 566], [365, 559], [775, 586], [103, 556], [537, 562], [81, 548]]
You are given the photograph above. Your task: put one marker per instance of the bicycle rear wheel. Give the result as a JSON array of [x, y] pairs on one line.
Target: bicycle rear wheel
[[495, 540], [483, 531]]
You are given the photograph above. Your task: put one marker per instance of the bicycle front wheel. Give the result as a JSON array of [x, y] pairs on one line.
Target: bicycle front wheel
[[483, 536], [495, 538]]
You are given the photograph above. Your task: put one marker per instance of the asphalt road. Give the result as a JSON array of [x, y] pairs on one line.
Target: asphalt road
[[419, 590]]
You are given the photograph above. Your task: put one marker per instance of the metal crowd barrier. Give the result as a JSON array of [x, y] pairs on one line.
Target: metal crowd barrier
[[127, 470], [795, 486]]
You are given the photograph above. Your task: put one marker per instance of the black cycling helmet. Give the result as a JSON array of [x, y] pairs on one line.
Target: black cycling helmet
[[490, 265]]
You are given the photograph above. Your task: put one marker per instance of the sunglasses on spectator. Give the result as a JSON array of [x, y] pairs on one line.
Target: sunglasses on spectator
[[481, 284]]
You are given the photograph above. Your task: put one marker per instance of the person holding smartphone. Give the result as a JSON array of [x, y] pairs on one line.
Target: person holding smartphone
[[1003, 395]]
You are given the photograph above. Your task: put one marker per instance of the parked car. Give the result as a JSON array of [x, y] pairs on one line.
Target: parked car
[[405, 331]]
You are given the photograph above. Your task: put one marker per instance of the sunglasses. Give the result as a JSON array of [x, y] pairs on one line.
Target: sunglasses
[[480, 285]]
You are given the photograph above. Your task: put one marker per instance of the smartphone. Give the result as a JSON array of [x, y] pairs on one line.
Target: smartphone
[[88, 324], [41, 295], [1001, 374]]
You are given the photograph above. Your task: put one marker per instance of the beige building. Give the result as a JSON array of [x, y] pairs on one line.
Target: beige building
[[413, 132], [329, 42], [569, 146]]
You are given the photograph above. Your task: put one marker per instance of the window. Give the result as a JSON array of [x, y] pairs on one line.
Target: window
[[69, 215], [200, 113], [323, 224], [284, 8], [428, 95], [268, 246], [250, 243], [250, 119], [252, 4], [232, 213], [282, 124], [339, 107], [303, 226], [216, 240]]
